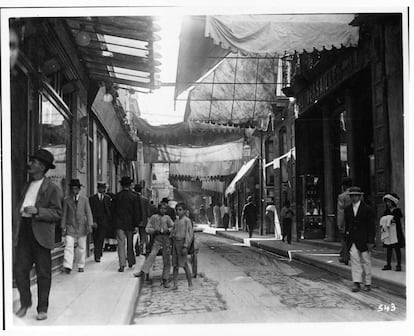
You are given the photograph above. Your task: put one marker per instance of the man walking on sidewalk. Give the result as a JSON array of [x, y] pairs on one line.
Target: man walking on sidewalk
[[249, 215], [360, 231], [76, 224], [126, 210], [38, 211], [343, 201], [101, 211]]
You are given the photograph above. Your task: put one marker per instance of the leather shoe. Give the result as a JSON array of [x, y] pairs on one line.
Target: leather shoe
[[166, 284], [41, 316], [356, 287], [97, 259], [67, 270], [140, 274], [386, 268], [367, 288], [121, 268], [398, 268], [80, 269], [22, 311]]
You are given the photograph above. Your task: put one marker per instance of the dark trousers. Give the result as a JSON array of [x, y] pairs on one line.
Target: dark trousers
[[287, 230], [250, 228], [29, 251], [141, 243], [127, 236], [98, 236], [397, 252]]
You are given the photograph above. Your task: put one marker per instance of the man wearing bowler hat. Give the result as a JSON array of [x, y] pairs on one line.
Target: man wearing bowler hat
[[126, 213], [360, 234], [101, 211], [76, 224], [38, 211]]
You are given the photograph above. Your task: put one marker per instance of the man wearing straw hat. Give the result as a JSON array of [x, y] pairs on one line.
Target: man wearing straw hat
[[38, 211], [360, 232], [77, 222]]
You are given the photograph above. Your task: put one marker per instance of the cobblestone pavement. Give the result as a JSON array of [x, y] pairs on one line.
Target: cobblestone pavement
[[291, 287], [154, 299]]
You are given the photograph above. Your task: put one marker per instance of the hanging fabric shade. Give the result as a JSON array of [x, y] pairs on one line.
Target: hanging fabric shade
[[280, 34], [176, 154], [189, 133]]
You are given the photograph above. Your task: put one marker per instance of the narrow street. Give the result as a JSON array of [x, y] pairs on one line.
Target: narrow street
[[236, 283]]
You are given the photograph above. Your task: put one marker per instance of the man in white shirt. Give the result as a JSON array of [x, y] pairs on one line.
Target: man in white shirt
[[360, 233], [38, 211]]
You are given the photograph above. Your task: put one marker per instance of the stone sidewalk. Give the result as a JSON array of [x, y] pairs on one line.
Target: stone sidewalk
[[322, 255], [99, 296]]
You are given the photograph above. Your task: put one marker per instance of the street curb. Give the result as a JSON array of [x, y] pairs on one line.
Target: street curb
[[342, 270], [125, 307]]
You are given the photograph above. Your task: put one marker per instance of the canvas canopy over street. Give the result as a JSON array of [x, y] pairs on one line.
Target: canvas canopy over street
[[281, 34]]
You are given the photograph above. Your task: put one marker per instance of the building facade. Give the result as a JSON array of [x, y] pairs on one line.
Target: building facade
[[350, 123]]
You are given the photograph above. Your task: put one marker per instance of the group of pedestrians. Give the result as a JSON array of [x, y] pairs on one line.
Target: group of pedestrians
[[356, 221], [218, 215], [41, 207]]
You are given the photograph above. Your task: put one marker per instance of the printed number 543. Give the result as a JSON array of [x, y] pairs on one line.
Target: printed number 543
[[386, 307]]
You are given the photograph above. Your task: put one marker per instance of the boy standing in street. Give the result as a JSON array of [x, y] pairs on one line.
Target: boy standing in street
[[77, 222], [182, 235], [159, 227]]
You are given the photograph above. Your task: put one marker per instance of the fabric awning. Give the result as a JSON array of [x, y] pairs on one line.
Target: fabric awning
[[280, 34], [197, 54], [243, 172], [189, 133], [111, 122], [206, 169], [156, 153], [216, 186]]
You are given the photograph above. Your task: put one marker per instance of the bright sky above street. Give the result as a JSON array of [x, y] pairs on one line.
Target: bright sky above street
[[158, 107]]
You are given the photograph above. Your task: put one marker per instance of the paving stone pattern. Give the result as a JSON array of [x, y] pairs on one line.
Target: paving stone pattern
[[155, 300], [303, 287]]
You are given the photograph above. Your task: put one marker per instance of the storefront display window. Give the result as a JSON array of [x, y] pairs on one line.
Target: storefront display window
[[54, 134]]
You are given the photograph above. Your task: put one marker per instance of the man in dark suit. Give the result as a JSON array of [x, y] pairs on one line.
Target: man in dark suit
[[142, 240], [249, 215], [360, 231], [101, 211], [126, 214], [35, 217]]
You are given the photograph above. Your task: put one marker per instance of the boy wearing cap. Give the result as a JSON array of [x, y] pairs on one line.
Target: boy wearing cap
[[38, 211], [100, 204], [77, 222], [360, 232]]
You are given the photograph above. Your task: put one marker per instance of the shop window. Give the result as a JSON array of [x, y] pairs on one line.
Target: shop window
[[54, 134], [343, 146], [99, 156]]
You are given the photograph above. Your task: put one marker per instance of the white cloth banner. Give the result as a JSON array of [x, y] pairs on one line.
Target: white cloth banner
[[176, 154], [276, 162], [204, 169], [277, 34]]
